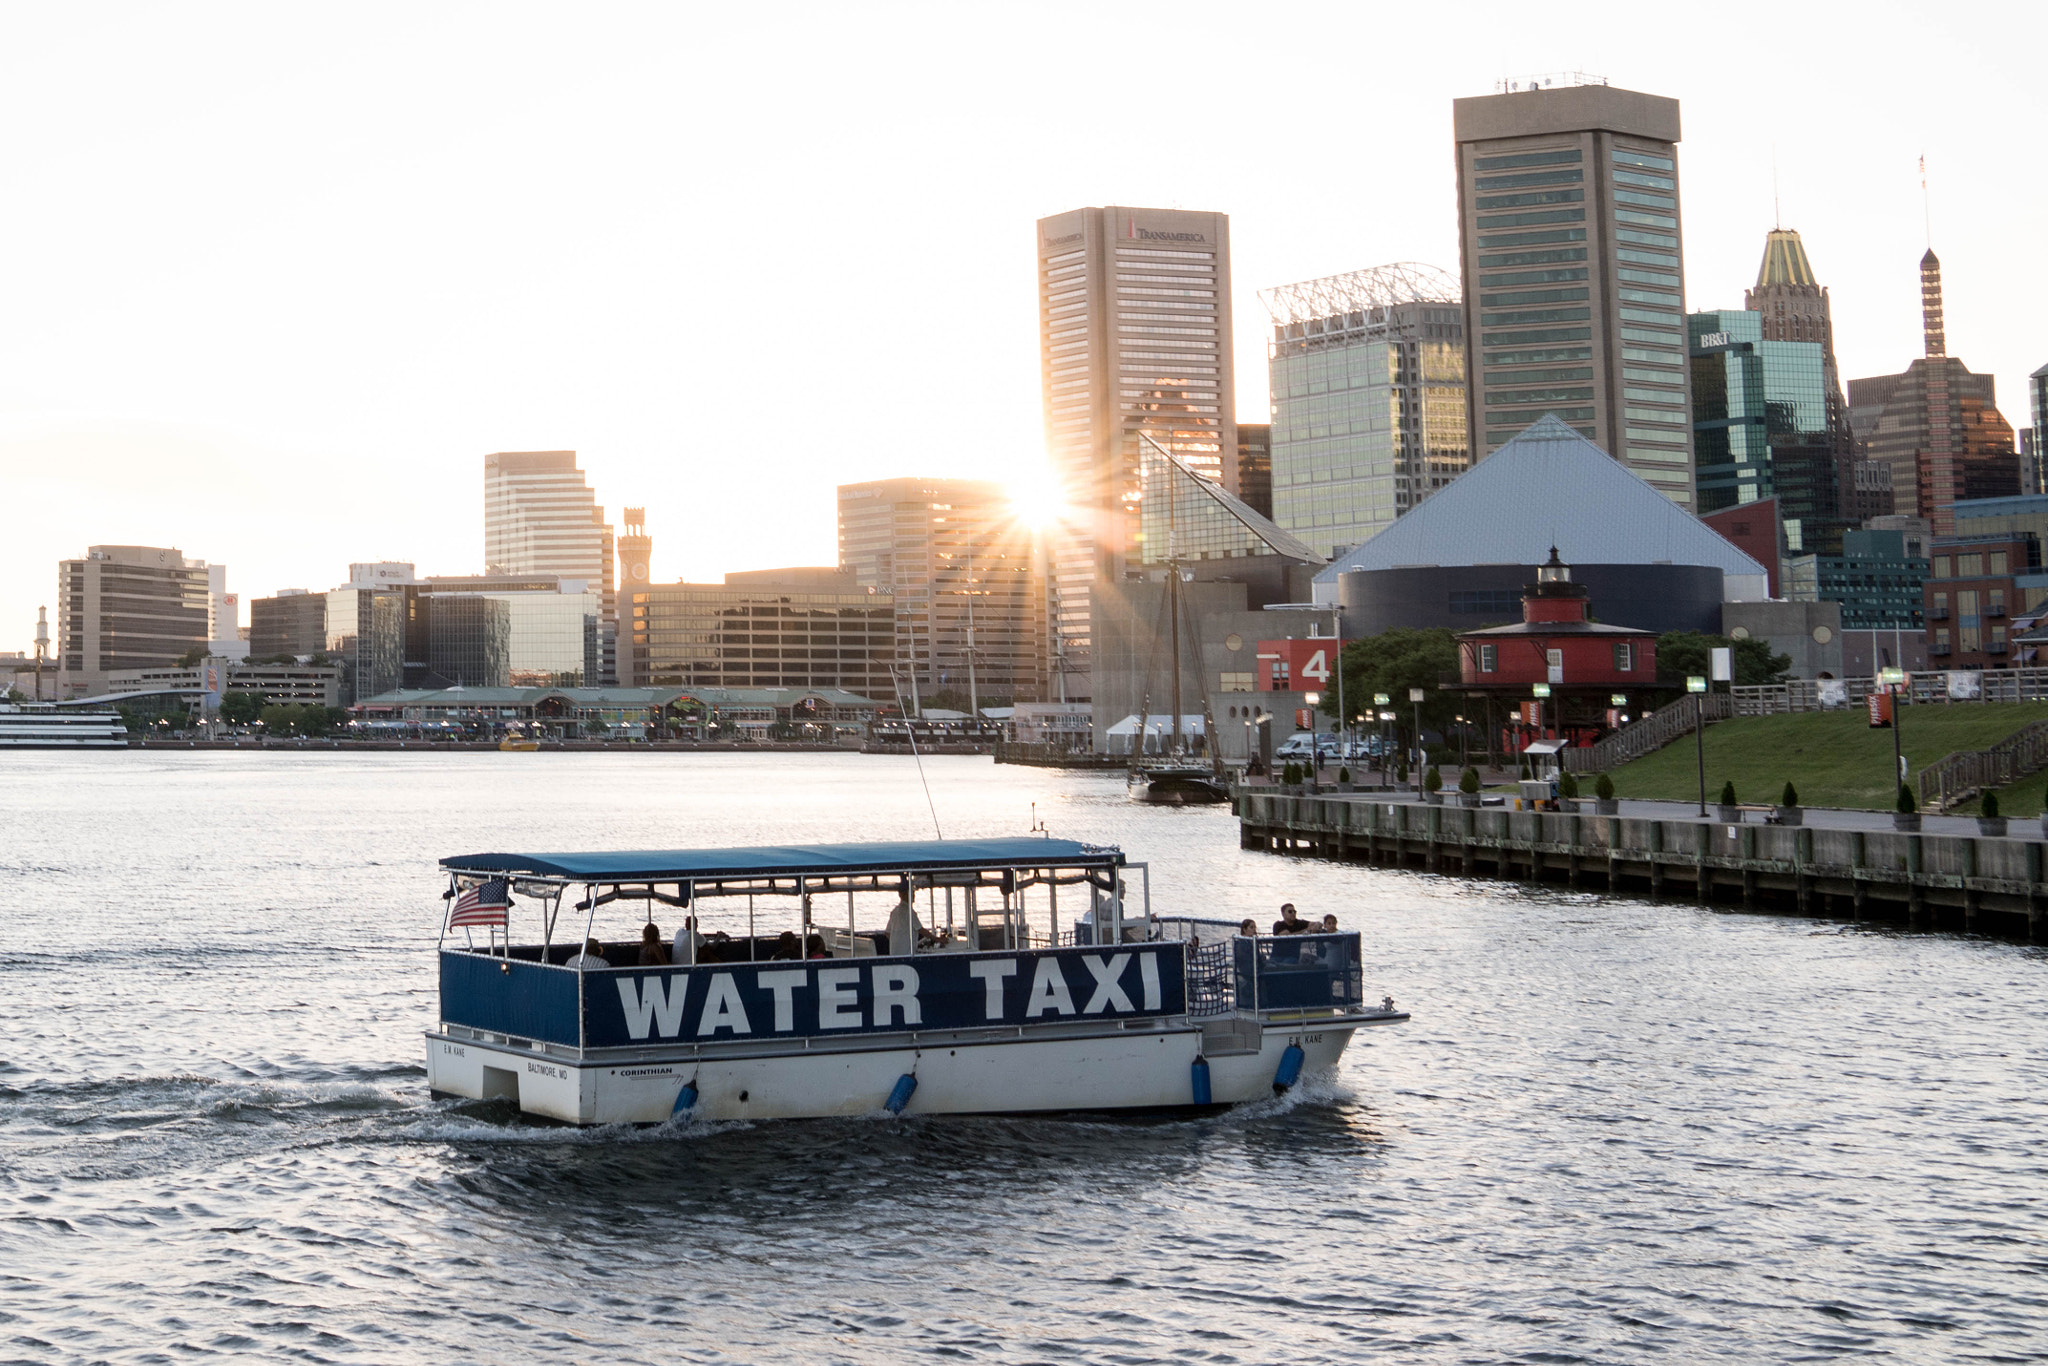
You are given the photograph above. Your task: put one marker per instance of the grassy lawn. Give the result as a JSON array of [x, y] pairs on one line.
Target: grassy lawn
[[1833, 758]]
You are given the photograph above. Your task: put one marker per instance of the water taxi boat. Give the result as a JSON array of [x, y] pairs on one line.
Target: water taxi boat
[[934, 977], [33, 726]]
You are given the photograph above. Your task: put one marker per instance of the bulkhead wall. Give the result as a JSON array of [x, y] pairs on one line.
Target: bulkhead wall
[[1648, 597]]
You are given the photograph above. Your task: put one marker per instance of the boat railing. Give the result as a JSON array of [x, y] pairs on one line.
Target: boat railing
[[1297, 971], [1211, 989]]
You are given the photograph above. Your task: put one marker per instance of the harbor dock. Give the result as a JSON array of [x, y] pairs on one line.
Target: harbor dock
[[1854, 867]]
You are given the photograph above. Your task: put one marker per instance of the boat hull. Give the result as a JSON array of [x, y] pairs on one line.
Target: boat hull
[[1137, 1069]]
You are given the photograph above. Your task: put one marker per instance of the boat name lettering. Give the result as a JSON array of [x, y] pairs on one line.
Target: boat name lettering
[[647, 1071], [937, 991], [455, 1050]]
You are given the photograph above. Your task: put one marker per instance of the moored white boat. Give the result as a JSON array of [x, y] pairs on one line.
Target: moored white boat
[[931, 977], [43, 726]]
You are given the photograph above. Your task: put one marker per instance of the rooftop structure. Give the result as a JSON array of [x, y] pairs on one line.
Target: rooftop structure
[[1367, 375], [1550, 486]]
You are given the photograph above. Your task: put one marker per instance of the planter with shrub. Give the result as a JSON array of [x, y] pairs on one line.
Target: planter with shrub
[[1789, 812], [1906, 816], [1432, 786], [1989, 822], [1731, 810], [1468, 787], [1603, 797], [1568, 791]]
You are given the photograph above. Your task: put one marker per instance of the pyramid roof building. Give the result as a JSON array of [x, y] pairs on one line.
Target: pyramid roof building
[[1547, 487]]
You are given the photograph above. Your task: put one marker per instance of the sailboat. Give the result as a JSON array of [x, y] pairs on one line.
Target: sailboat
[[1180, 776]]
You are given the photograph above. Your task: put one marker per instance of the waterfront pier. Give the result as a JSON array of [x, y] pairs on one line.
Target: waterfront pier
[[1980, 884]]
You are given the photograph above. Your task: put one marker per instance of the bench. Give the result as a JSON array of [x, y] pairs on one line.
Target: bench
[[1770, 813]]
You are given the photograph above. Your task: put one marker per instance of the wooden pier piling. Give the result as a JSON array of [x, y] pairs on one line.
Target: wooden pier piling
[[1983, 885]]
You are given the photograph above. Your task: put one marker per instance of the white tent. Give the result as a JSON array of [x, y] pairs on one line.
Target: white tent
[[1158, 733]]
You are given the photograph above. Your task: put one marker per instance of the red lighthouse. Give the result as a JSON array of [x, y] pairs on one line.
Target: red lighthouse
[[1582, 661]]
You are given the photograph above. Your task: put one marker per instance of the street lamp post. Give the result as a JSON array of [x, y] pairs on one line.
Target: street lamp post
[[1892, 679], [1696, 685], [1421, 750], [1379, 702]]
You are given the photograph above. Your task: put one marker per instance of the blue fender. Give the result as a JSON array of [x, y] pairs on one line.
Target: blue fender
[[1200, 1072], [1290, 1068], [906, 1086], [686, 1100]]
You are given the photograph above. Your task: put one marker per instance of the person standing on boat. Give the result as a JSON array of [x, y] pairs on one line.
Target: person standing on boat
[[903, 929]]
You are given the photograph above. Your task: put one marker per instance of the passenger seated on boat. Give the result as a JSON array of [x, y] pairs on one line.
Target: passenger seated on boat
[[653, 953], [904, 930], [591, 957], [1329, 924], [814, 947], [688, 942], [1289, 922], [1249, 929], [786, 948]]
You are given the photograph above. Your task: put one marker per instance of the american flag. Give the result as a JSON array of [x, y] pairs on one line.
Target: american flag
[[484, 904]]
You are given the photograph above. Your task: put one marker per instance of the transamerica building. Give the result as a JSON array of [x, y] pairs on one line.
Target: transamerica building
[[1574, 292], [1134, 336]]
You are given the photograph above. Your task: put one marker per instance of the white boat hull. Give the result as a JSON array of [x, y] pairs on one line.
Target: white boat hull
[[1138, 1069]]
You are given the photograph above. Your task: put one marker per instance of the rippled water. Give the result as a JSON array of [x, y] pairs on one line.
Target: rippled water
[[1614, 1131]]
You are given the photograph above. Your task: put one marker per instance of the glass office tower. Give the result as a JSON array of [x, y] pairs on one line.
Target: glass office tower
[[1568, 225], [1761, 426], [1367, 374]]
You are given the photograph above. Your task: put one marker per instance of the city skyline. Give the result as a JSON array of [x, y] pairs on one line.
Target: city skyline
[[299, 360]]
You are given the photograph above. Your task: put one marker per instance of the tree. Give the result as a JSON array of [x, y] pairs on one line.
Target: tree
[[312, 719], [1689, 653], [1394, 661], [240, 708], [279, 719]]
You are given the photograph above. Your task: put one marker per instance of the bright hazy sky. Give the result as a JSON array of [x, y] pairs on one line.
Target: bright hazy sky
[[279, 276]]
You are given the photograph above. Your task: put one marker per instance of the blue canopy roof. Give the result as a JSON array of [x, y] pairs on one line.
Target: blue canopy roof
[[787, 860]]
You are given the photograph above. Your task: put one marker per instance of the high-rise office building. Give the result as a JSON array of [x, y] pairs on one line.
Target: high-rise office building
[[1367, 374], [964, 577], [2035, 466], [290, 622], [470, 640], [540, 517], [1255, 467], [1568, 232], [1794, 306], [1760, 419], [127, 607], [817, 631], [1134, 336], [1936, 425], [366, 637], [551, 625]]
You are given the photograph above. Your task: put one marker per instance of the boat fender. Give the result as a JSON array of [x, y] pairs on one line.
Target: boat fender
[[1290, 1068], [1201, 1079], [686, 1100], [906, 1086]]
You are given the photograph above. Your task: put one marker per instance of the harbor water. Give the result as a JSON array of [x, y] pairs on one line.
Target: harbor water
[[1614, 1131]]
